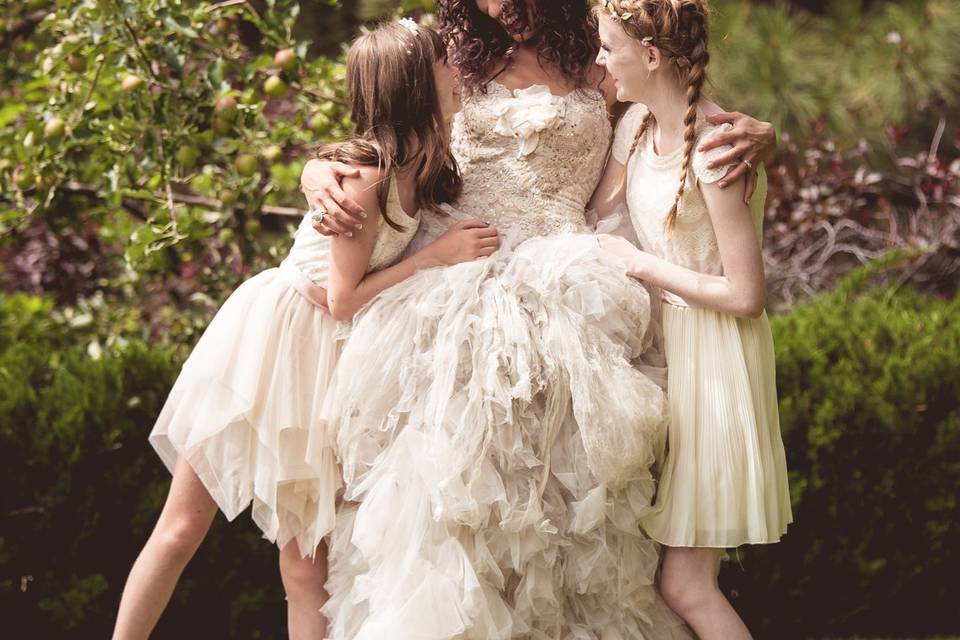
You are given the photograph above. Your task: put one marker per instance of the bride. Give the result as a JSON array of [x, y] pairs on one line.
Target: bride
[[497, 441]]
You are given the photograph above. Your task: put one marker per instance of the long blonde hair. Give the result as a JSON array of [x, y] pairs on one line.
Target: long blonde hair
[[396, 112], [678, 28]]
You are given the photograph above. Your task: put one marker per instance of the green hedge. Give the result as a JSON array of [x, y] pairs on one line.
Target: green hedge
[[868, 387], [82, 489]]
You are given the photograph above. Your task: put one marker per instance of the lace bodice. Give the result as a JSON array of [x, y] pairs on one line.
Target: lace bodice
[[311, 250], [530, 160], [652, 183]]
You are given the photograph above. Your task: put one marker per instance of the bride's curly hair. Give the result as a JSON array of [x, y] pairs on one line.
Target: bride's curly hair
[[564, 34]]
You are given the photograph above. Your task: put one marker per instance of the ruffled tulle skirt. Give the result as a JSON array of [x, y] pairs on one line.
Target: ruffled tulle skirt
[[724, 481], [243, 407], [497, 443]]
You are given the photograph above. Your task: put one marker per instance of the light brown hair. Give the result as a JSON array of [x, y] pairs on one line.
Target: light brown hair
[[678, 28], [396, 113]]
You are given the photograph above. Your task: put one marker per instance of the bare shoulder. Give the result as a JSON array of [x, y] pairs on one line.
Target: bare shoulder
[[363, 188]]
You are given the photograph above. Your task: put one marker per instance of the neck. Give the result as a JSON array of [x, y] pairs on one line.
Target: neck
[[668, 104]]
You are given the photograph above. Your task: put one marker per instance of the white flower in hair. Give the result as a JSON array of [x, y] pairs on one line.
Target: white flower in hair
[[408, 24]]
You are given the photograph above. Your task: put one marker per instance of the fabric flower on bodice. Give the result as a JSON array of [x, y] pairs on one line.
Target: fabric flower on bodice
[[527, 113]]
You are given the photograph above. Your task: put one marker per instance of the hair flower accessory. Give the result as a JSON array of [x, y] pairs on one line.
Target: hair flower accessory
[[408, 24], [614, 12]]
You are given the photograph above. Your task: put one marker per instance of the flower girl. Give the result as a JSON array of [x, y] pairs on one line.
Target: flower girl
[[241, 425], [724, 479]]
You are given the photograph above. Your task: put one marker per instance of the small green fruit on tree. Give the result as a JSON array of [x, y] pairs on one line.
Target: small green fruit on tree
[[286, 59], [187, 156], [274, 86], [54, 128], [246, 164]]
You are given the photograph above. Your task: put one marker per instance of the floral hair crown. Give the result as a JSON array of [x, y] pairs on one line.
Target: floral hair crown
[[408, 24], [615, 13]]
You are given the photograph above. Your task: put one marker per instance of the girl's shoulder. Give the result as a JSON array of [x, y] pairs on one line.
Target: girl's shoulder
[[700, 159]]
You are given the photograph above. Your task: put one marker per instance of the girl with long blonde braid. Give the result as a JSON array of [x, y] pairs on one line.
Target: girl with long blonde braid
[[724, 478]]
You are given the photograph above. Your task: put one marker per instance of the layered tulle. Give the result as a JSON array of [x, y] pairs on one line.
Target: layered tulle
[[724, 482], [497, 444], [244, 403]]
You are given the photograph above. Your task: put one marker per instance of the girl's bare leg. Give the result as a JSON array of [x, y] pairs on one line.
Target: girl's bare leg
[[182, 526], [303, 580], [689, 586]]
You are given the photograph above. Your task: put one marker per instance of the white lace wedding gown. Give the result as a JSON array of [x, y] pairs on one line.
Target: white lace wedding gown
[[496, 441]]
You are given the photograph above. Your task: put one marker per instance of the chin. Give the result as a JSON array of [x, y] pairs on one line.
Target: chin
[[625, 95]]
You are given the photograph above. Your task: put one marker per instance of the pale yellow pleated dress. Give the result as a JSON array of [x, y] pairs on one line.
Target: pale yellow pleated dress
[[724, 479]]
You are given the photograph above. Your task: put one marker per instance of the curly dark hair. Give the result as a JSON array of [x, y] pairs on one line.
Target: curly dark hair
[[564, 35]]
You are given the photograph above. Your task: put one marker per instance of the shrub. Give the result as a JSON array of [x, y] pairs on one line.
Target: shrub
[[82, 490], [868, 387]]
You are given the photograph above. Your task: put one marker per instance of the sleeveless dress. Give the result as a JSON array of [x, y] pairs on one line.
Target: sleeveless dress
[[495, 479], [243, 407], [724, 481]]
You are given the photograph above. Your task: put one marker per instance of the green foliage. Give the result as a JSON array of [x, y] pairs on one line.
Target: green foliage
[[119, 112], [82, 489], [868, 386], [860, 70]]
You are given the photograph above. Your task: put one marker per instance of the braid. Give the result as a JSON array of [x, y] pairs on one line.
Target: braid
[[678, 28], [641, 131], [696, 76]]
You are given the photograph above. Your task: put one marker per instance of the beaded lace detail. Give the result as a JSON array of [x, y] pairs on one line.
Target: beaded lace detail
[[390, 242], [530, 160]]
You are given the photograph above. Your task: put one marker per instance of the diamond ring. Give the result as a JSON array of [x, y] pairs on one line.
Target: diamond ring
[[317, 215]]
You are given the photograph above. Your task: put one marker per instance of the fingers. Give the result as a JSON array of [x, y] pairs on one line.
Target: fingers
[[486, 243], [750, 186], [342, 170], [731, 156], [347, 205], [322, 230], [485, 253], [471, 223], [336, 223], [735, 173], [729, 117], [487, 232], [313, 200], [721, 139]]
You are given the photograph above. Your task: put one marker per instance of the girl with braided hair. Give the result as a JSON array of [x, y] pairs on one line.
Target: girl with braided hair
[[724, 479]]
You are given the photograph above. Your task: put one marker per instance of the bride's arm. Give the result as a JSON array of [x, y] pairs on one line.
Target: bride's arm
[[610, 193]]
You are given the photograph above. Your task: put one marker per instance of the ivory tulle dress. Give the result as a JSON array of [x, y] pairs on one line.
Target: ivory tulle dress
[[495, 437], [724, 482], [243, 407]]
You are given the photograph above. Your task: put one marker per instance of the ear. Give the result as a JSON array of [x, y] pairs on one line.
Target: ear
[[653, 58]]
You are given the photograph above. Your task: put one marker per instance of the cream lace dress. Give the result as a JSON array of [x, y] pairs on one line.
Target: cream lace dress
[[496, 442], [724, 482], [245, 408]]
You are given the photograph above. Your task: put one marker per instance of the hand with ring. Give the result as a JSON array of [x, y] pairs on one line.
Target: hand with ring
[[332, 212], [749, 140]]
